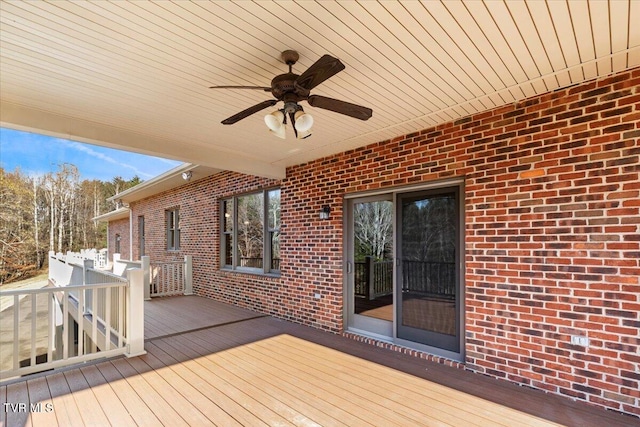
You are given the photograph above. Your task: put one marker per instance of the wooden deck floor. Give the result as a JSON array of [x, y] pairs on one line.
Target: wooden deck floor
[[253, 371], [174, 315]]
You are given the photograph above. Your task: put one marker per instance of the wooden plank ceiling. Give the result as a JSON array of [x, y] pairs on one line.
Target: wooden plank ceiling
[[135, 75]]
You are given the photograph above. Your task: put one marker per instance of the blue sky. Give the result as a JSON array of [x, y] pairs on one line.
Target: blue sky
[[37, 154]]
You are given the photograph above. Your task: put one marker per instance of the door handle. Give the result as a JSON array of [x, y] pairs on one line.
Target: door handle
[[349, 267]]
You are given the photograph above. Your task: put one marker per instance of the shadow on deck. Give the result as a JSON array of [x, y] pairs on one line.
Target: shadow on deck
[[209, 363], [170, 316]]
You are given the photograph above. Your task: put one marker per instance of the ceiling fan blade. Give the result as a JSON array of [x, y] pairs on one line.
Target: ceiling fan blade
[[320, 71], [342, 107], [249, 111], [266, 89]]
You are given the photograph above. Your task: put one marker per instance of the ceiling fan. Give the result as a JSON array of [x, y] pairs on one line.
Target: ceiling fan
[[292, 88]]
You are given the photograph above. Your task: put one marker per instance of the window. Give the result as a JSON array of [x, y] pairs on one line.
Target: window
[[227, 232], [273, 229], [141, 234], [250, 232], [173, 229]]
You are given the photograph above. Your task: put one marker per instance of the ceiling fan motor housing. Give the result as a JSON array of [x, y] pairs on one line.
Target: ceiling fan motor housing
[[283, 84]]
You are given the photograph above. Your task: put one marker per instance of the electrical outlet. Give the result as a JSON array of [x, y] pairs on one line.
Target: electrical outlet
[[580, 340]]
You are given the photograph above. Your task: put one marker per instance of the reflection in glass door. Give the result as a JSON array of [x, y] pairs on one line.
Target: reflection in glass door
[[370, 272], [428, 303]]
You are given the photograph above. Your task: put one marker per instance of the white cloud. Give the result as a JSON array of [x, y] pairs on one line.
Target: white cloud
[[98, 155]]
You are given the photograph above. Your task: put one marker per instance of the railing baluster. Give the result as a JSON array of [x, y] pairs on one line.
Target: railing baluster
[[107, 320], [52, 326], [80, 318], [94, 320], [121, 326], [34, 319], [65, 325], [16, 325]]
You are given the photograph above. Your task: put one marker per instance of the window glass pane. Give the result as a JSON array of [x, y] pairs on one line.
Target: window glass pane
[[173, 230], [274, 209], [275, 250], [228, 249], [228, 215], [251, 230]]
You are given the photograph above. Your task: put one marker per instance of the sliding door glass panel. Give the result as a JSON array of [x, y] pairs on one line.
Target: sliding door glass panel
[[373, 259], [428, 282]]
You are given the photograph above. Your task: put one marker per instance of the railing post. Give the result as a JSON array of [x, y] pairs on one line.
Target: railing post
[[135, 313], [86, 264], [115, 268], [146, 276], [188, 275]]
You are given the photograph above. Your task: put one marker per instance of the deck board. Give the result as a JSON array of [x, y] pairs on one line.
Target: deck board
[[154, 400], [17, 393], [317, 367], [213, 364], [239, 395], [180, 403], [323, 387], [64, 405], [403, 389], [263, 399], [173, 315], [89, 406], [190, 371], [3, 400], [117, 413], [39, 394], [135, 406], [157, 359]]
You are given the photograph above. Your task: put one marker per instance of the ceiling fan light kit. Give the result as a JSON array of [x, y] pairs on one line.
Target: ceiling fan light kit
[[293, 88], [303, 121], [275, 120]]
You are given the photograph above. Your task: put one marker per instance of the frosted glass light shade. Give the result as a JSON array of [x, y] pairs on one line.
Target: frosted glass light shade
[[303, 121], [280, 132], [303, 135], [274, 121]]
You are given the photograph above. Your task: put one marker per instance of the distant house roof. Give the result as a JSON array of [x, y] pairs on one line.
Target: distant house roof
[[120, 213], [169, 180]]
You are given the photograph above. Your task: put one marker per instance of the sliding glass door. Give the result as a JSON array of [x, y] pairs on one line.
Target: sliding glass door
[[403, 268], [427, 282]]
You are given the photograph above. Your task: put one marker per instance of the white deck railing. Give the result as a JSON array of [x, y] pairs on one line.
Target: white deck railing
[[171, 278], [106, 310], [99, 257], [161, 279]]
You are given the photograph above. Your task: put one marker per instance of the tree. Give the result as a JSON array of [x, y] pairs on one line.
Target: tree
[[251, 229], [18, 253], [50, 212], [373, 229]]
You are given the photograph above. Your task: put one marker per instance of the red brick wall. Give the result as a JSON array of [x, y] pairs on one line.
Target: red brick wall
[[552, 205], [120, 227], [552, 237]]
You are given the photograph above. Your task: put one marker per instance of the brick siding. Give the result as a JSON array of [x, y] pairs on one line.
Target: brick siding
[[552, 218], [121, 227]]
